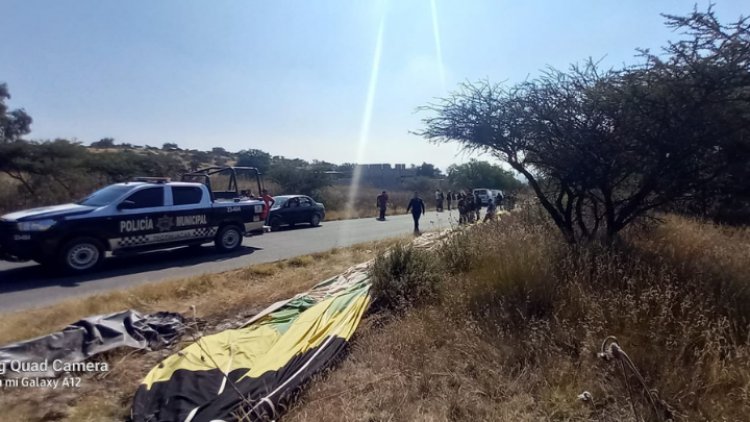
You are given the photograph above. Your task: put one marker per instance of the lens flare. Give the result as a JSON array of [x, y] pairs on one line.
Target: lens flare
[[438, 47], [366, 116]]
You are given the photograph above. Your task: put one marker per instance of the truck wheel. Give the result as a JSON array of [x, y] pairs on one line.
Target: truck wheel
[[275, 223], [229, 239], [315, 220], [81, 254]]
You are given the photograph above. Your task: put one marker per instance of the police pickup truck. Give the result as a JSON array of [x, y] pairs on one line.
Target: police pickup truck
[[147, 214]]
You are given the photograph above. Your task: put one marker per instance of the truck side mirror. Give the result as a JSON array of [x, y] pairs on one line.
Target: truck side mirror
[[126, 205]]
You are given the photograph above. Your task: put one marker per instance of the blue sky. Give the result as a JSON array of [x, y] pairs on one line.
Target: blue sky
[[292, 77]]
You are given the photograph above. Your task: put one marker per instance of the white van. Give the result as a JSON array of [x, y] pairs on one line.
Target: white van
[[486, 195]]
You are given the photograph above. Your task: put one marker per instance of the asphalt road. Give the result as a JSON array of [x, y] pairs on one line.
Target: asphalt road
[[28, 285]]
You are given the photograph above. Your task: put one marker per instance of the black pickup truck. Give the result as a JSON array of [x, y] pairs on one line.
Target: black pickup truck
[[145, 214]]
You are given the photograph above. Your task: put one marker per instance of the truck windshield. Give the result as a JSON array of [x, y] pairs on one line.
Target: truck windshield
[[105, 196]]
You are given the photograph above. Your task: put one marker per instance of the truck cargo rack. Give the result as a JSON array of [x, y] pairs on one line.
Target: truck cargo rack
[[232, 190]]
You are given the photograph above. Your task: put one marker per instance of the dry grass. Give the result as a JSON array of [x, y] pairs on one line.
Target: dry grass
[[515, 331], [211, 294], [219, 299]]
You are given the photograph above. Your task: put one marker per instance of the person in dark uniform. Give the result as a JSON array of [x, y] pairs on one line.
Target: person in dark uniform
[[449, 198], [382, 203], [416, 206], [499, 200], [478, 205], [470, 206], [492, 209], [462, 213]]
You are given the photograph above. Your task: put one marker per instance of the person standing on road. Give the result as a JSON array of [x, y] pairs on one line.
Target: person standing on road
[[382, 203], [470, 206], [499, 200], [416, 206], [268, 201], [449, 198]]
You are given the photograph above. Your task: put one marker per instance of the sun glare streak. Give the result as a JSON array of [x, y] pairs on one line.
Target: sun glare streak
[[438, 47], [364, 132]]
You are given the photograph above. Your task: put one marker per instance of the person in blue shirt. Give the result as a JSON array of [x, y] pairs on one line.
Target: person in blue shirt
[[416, 206]]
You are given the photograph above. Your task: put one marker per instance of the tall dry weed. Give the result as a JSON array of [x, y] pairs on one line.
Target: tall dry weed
[[403, 277], [707, 259], [520, 316], [675, 299]]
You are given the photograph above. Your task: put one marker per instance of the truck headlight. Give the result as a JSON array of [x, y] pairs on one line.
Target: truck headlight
[[36, 226]]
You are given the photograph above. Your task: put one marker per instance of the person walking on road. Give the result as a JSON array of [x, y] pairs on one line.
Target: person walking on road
[[448, 199], [416, 206], [382, 203]]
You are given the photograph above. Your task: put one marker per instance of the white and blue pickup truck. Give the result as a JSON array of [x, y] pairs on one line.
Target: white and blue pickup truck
[[146, 214]]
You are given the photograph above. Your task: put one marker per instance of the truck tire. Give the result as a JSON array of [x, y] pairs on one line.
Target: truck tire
[[229, 238], [315, 220], [81, 254]]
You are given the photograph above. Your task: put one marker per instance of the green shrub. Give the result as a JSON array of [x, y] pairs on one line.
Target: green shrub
[[404, 277]]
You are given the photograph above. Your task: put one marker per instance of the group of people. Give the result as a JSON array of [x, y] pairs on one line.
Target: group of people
[[441, 198], [469, 206]]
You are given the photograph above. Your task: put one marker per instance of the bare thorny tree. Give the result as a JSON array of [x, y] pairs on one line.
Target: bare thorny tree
[[601, 149]]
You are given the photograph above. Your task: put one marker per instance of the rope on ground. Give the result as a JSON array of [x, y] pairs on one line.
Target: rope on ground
[[611, 351]]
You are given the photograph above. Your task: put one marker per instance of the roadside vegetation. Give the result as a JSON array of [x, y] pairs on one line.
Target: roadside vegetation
[[504, 322], [210, 302], [45, 173]]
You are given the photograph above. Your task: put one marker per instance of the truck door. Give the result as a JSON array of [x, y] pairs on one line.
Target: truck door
[[193, 216], [138, 217]]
